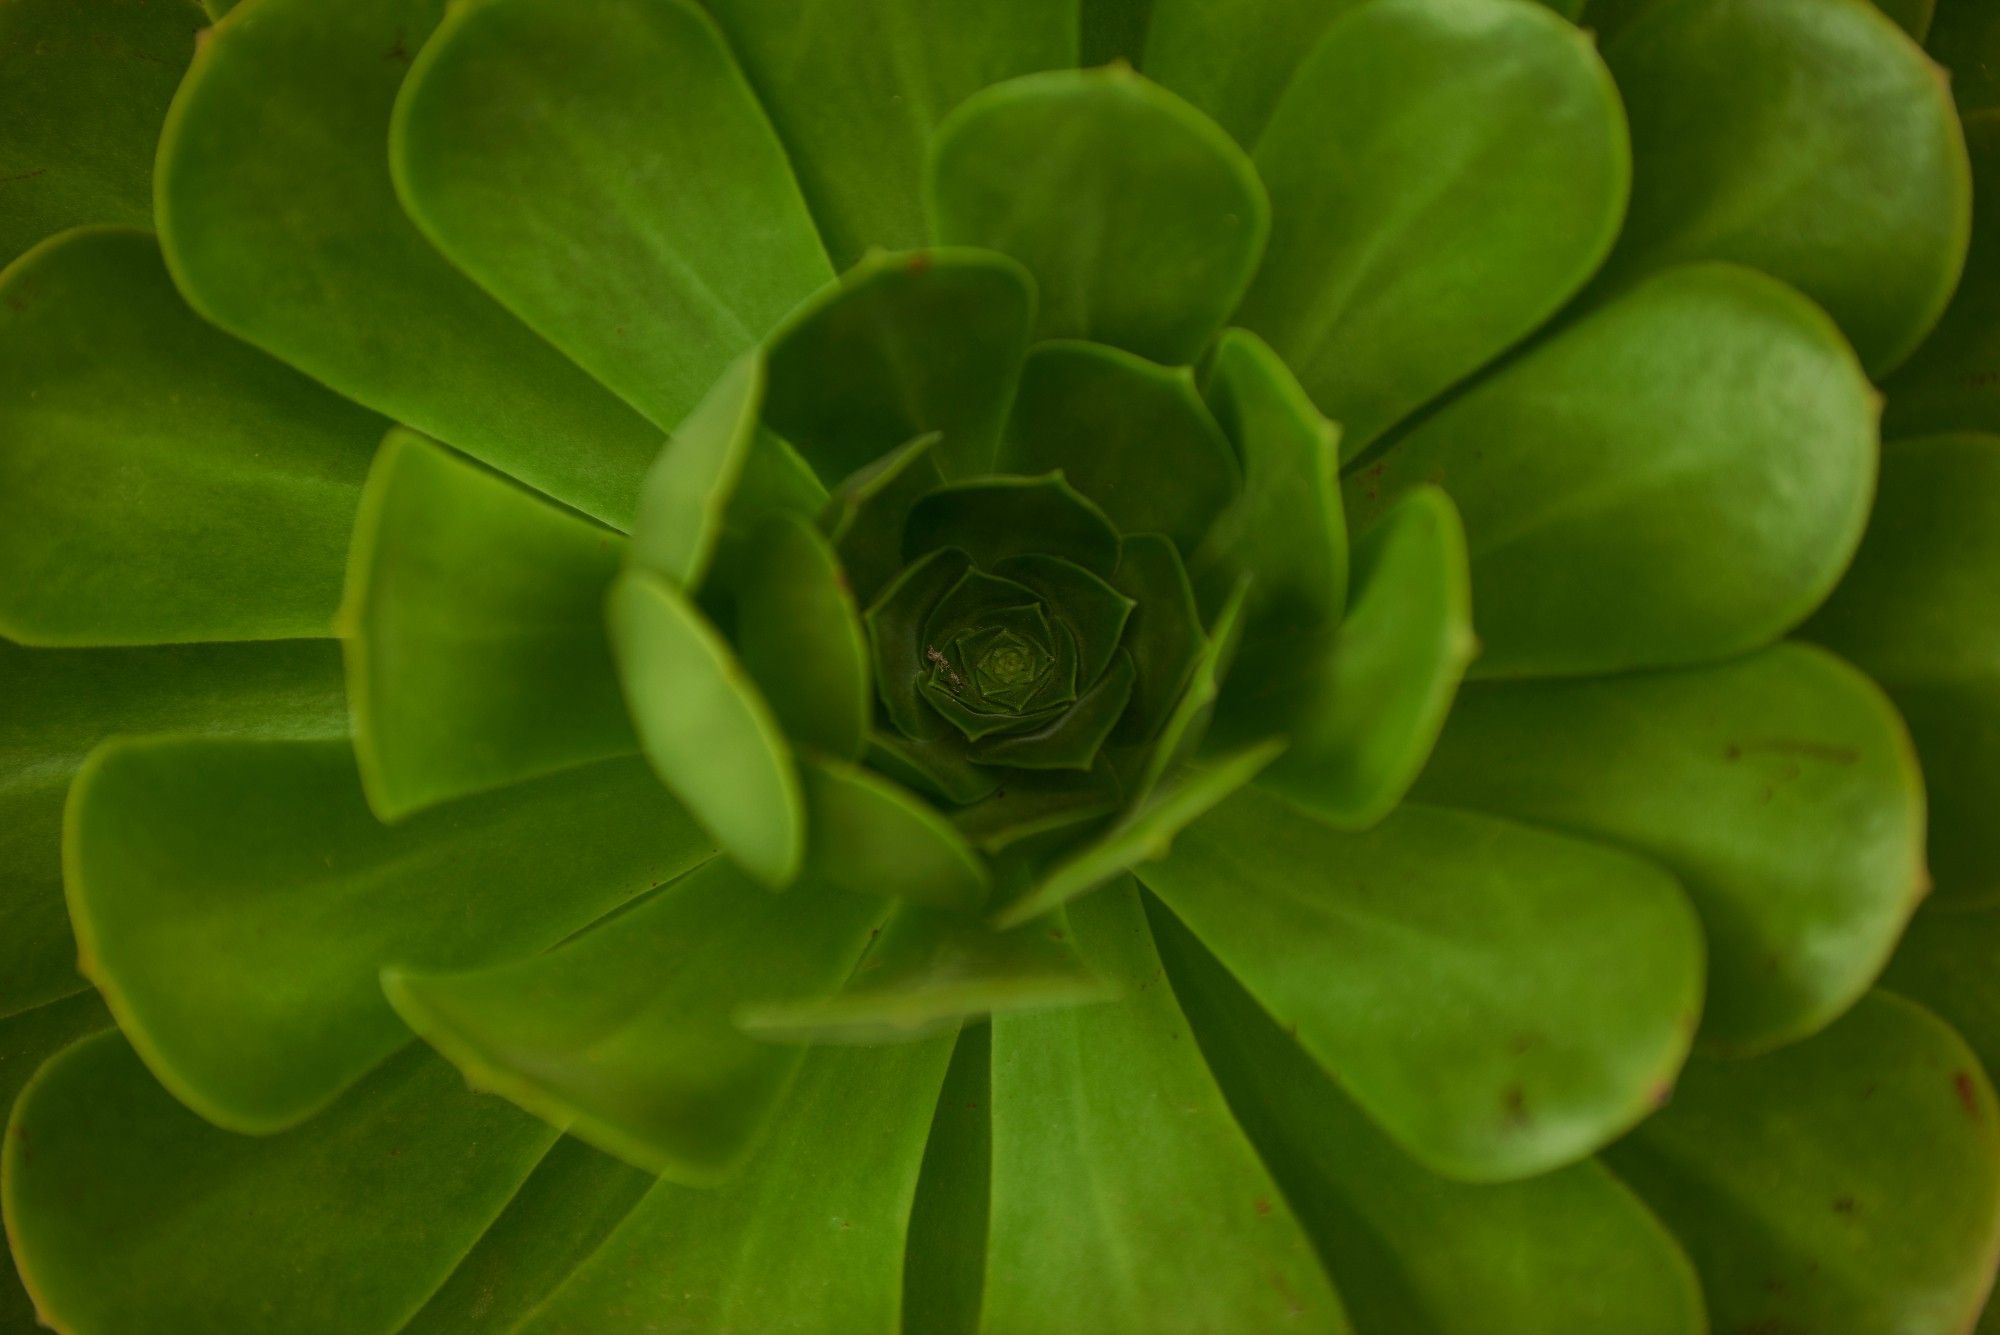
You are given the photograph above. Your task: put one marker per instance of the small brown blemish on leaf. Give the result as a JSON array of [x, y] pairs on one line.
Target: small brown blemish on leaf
[[1968, 1093], [1843, 1205], [1520, 1043], [920, 262], [1661, 1094], [1263, 1206], [1516, 1101], [400, 51]]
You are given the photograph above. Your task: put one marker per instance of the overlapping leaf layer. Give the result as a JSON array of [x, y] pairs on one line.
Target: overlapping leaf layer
[[1115, 665]]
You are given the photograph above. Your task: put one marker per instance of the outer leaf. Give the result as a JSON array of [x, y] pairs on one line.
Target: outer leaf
[[128, 1212], [1287, 530], [1362, 705], [870, 837], [1780, 789], [475, 647], [602, 169], [706, 729], [61, 703], [1164, 635], [1695, 459], [561, 1215], [159, 481], [1461, 156], [236, 900], [83, 89], [1851, 1182], [1916, 614], [810, 1236], [800, 637], [930, 970], [1116, 1162], [1810, 140], [1568, 1250], [993, 518], [906, 345], [1233, 60], [1133, 437], [1951, 383], [944, 1258], [857, 87], [1140, 220], [289, 100], [1501, 1001], [867, 509], [625, 1034]]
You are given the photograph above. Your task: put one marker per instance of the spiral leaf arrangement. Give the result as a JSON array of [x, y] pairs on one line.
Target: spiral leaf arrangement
[[1133, 665]]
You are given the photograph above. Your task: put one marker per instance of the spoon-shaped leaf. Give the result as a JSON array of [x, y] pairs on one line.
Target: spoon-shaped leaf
[[1964, 35], [1232, 61], [1945, 961], [1501, 1001], [1781, 789], [473, 630], [235, 901], [870, 837], [1431, 155], [290, 100], [1679, 476], [626, 1034], [128, 1212], [993, 518], [1140, 220], [800, 636], [602, 169], [159, 481], [706, 728]]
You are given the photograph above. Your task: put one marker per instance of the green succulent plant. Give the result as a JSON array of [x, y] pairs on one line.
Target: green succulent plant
[[1060, 665]]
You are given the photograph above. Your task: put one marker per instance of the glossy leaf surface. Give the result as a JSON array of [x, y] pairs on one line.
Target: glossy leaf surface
[[1695, 458], [1431, 155], [1116, 1161], [290, 100], [474, 632], [1844, 175], [626, 1034], [1780, 789], [235, 900], [1140, 220], [1916, 614], [159, 481], [706, 728], [128, 1212], [63, 702], [1500, 1000], [810, 1234], [1850, 1182], [602, 169]]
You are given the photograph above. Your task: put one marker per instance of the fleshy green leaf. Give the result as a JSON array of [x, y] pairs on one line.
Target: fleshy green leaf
[[1568, 1250], [1500, 1000], [1444, 174], [931, 969], [1164, 635], [865, 513], [856, 88], [944, 1260], [474, 633], [1951, 384], [1094, 612], [1965, 36], [1780, 789], [236, 900], [1112, 30], [159, 481], [128, 1212], [1916, 613], [1134, 437], [1073, 738], [1124, 1196], [62, 702], [1813, 141], [1140, 220], [568, 1206], [906, 345], [1850, 1182], [1287, 530], [896, 624], [993, 518], [706, 728], [870, 837], [684, 507], [602, 169], [937, 766], [1945, 961], [280, 225], [1039, 805], [1143, 833], [809, 1235], [625, 1035], [1362, 704], [1693, 460], [1233, 60], [800, 637], [83, 89]]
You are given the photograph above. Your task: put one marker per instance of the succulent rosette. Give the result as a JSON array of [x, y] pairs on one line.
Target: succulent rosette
[[1137, 665]]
